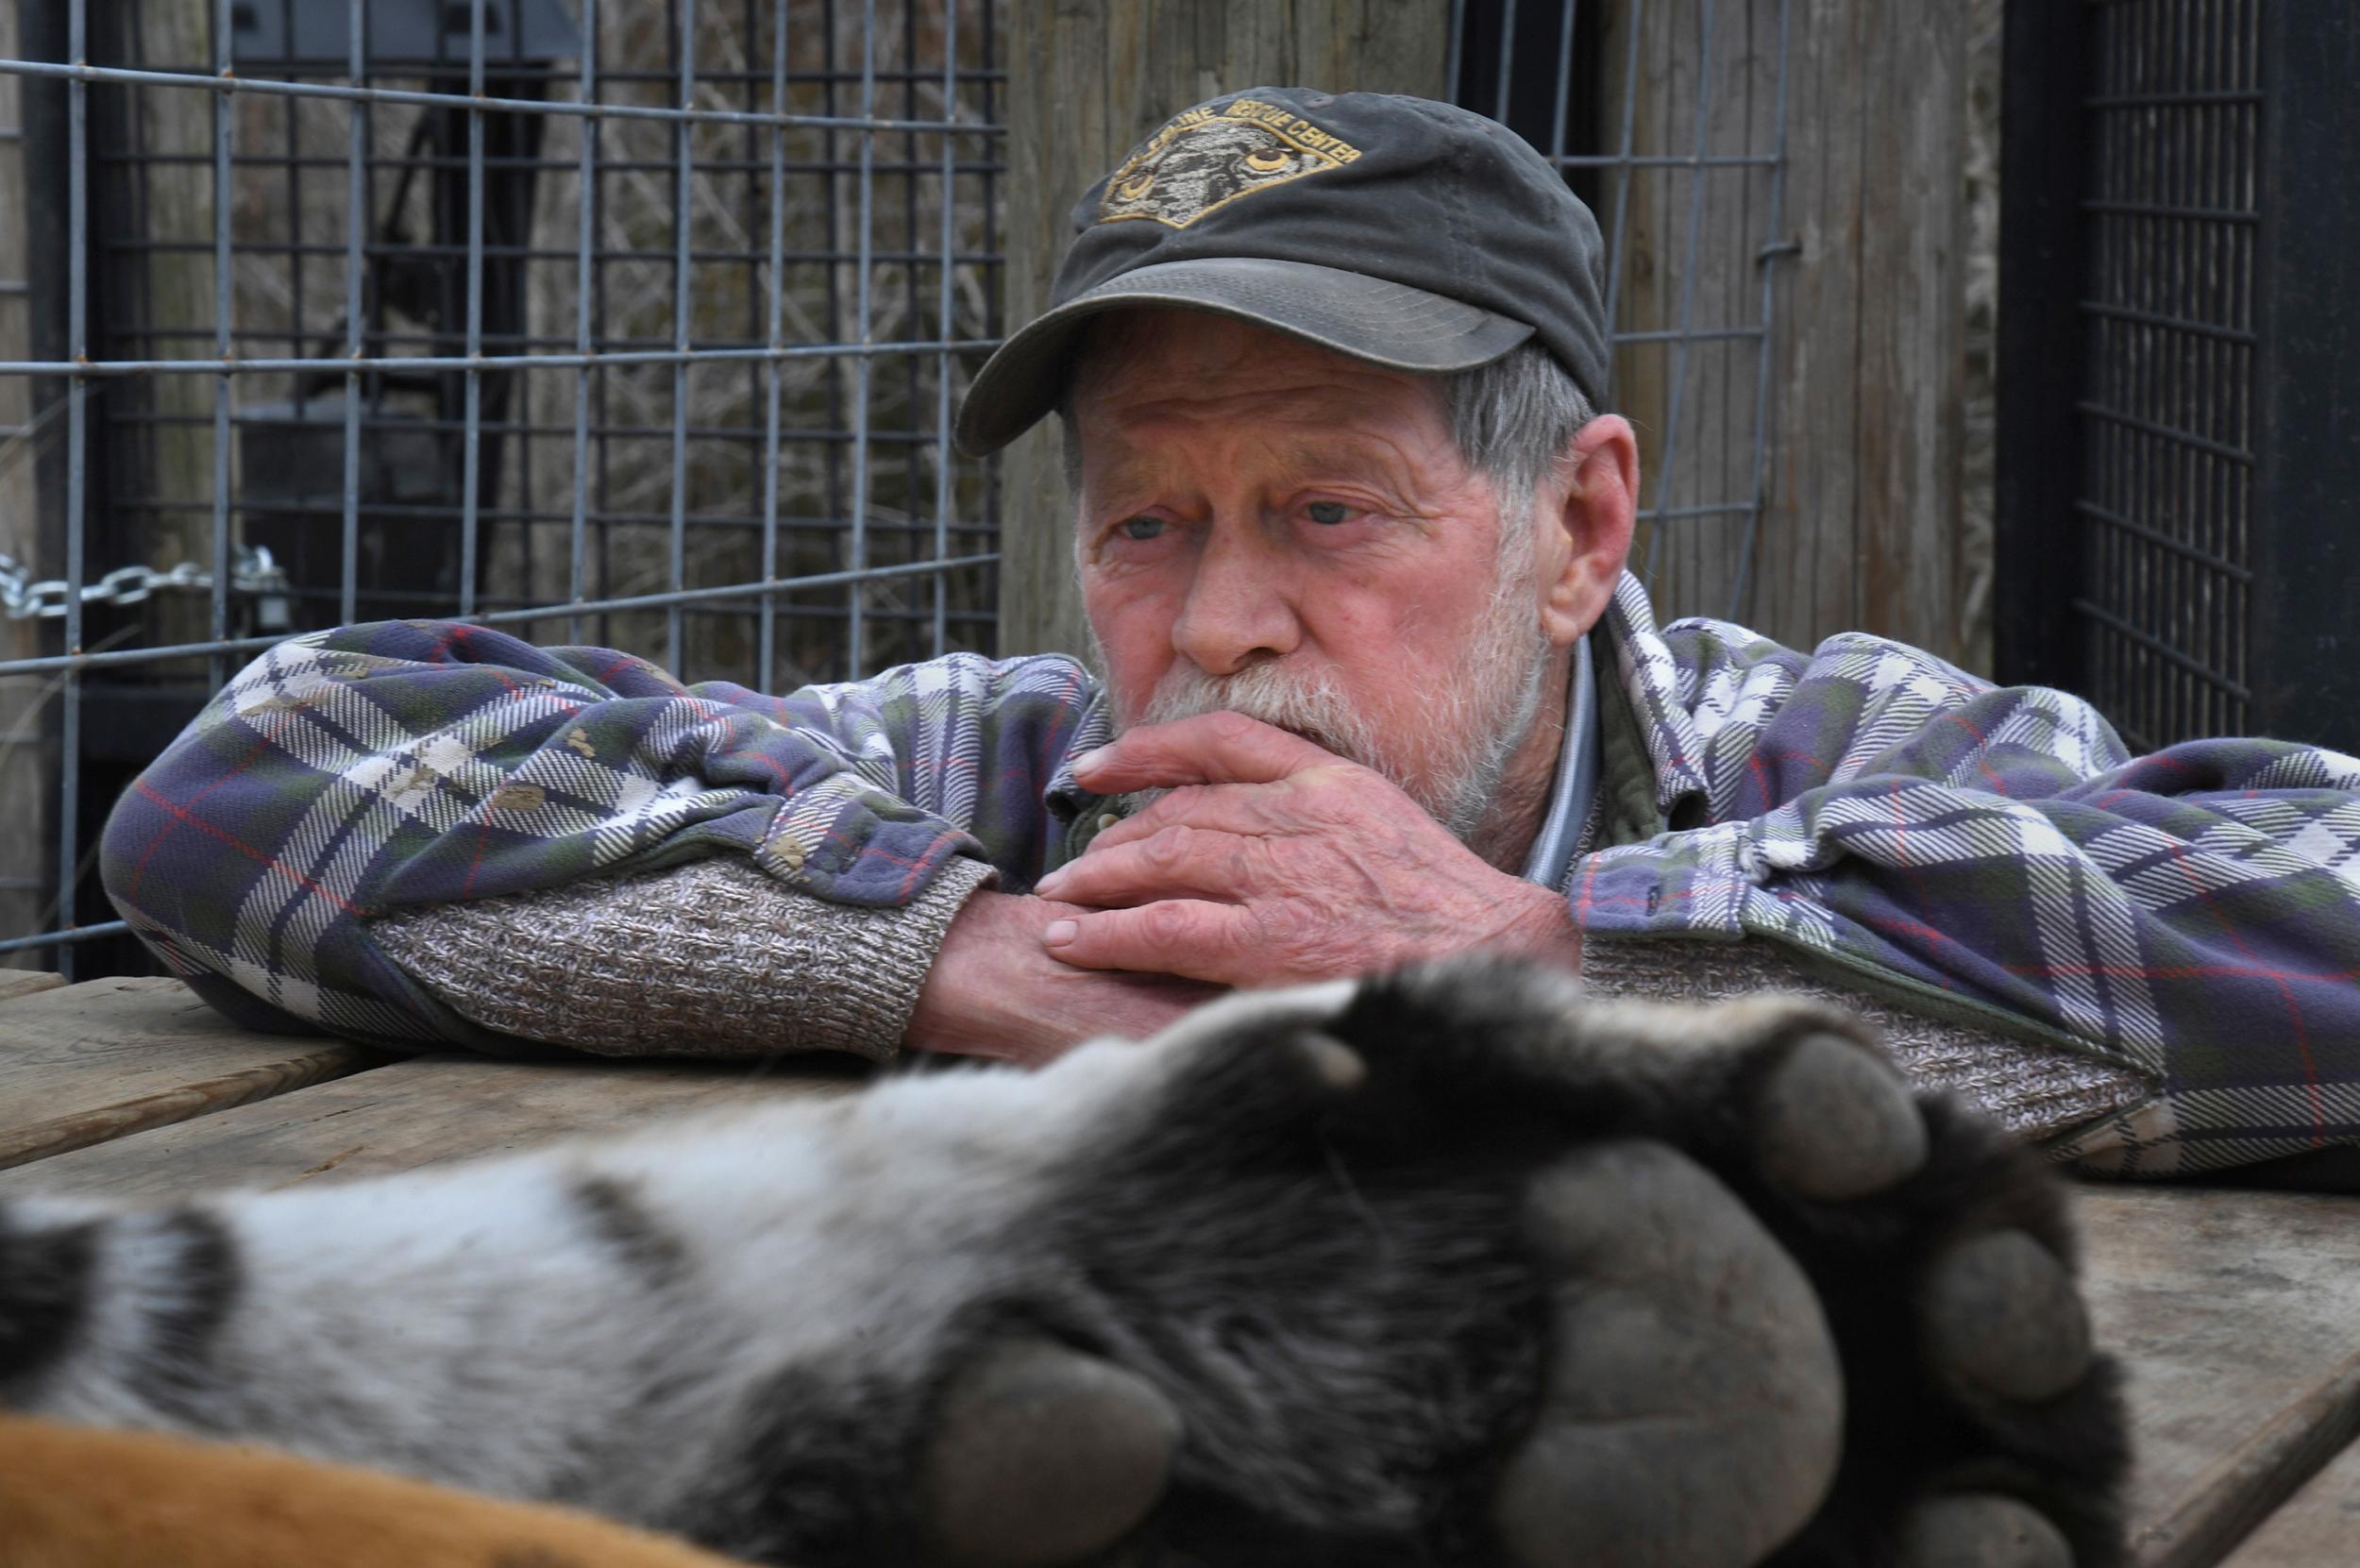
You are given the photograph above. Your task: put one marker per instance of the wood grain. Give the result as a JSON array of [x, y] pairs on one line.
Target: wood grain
[[415, 1112], [2238, 1315], [1095, 79], [16, 983], [83, 1064], [1868, 373], [29, 773], [2318, 1526]]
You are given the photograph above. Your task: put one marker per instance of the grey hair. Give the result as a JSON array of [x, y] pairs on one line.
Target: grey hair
[[1511, 420]]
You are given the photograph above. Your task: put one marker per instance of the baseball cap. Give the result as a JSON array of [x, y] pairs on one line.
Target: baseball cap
[[1410, 233]]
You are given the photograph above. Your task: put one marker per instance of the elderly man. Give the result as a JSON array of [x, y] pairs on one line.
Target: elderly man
[[1373, 685]]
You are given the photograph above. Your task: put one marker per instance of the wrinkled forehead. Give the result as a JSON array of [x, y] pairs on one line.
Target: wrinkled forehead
[[1124, 459], [1143, 378]]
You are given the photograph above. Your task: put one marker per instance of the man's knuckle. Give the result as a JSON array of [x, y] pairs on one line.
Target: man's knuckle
[[1165, 925], [1229, 725], [1290, 924], [1171, 849]]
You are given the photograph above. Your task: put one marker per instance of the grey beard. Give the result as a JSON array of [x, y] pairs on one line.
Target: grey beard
[[1487, 707], [1495, 731]]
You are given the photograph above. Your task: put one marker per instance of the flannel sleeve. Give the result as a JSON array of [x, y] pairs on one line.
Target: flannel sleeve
[[2194, 914], [348, 774]]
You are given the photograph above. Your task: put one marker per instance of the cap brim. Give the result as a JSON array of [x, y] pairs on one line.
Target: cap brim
[[1369, 319]]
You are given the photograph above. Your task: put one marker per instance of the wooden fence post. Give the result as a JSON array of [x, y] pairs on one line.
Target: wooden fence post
[[1089, 81], [1861, 521], [28, 721]]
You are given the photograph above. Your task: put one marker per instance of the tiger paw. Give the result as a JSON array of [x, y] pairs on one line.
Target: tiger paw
[[1457, 1266]]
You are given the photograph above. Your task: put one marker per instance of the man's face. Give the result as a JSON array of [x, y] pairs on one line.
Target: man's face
[[1272, 526]]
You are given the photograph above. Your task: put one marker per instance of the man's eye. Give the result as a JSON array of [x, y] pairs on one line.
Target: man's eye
[[1328, 512], [1141, 528]]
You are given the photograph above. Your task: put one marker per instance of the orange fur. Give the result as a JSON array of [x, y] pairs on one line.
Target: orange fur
[[74, 1497]]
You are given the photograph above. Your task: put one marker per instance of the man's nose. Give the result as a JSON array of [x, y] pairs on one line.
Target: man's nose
[[1239, 607]]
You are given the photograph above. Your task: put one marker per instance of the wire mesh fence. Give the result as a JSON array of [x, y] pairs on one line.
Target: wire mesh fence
[[639, 324], [2172, 217], [1669, 118], [2177, 491]]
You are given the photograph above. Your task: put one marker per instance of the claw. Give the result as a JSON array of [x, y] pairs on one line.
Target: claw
[[1337, 1065], [1044, 1454]]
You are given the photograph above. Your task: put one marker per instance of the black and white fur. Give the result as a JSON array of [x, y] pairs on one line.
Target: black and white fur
[[1298, 1216]]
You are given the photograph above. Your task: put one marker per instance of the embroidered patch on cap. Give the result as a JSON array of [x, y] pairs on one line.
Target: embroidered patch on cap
[[1207, 158]]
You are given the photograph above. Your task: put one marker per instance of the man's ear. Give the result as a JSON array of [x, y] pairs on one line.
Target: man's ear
[[1588, 510]]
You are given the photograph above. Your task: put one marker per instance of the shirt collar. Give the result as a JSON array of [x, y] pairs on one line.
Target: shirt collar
[[1577, 785]]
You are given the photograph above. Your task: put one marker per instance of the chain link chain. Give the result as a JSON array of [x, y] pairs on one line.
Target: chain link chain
[[254, 573]]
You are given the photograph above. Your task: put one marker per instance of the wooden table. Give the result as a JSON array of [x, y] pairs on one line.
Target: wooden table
[[2237, 1313]]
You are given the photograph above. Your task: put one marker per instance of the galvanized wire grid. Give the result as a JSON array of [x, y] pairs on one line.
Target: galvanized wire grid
[[703, 410], [1703, 471], [638, 327], [2172, 216]]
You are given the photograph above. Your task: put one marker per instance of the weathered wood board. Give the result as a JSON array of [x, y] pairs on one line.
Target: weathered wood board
[[16, 983], [2237, 1318], [2236, 1314], [83, 1064], [2320, 1527], [29, 715], [1859, 528], [413, 1113]]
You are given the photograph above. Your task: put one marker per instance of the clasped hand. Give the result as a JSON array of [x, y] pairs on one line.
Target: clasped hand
[[1271, 860]]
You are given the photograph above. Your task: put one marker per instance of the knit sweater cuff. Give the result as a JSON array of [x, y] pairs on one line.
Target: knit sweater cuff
[[709, 959], [2034, 1090]]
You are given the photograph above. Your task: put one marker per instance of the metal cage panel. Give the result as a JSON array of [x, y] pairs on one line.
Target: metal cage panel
[[639, 324], [2171, 218], [2179, 493]]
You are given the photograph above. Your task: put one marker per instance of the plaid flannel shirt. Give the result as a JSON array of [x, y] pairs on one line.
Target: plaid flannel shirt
[[1993, 854]]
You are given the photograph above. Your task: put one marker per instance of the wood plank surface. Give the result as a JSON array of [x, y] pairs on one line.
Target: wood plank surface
[[83, 1064], [2237, 1315], [415, 1112], [16, 983], [2319, 1527]]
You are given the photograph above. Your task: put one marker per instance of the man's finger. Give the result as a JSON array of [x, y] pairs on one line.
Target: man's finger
[[1175, 862], [1217, 747], [1217, 808], [1188, 937]]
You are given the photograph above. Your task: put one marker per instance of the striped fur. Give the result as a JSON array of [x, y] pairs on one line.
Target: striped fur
[[737, 1328]]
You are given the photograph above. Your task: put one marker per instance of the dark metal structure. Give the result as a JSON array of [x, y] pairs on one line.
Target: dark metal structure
[[628, 321], [2179, 441]]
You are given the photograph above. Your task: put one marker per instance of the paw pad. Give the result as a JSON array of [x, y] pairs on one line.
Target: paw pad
[[1980, 1530], [2001, 1313], [1694, 1408], [1837, 1123], [1043, 1455]]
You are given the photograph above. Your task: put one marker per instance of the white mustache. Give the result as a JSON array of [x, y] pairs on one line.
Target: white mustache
[[1307, 705]]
